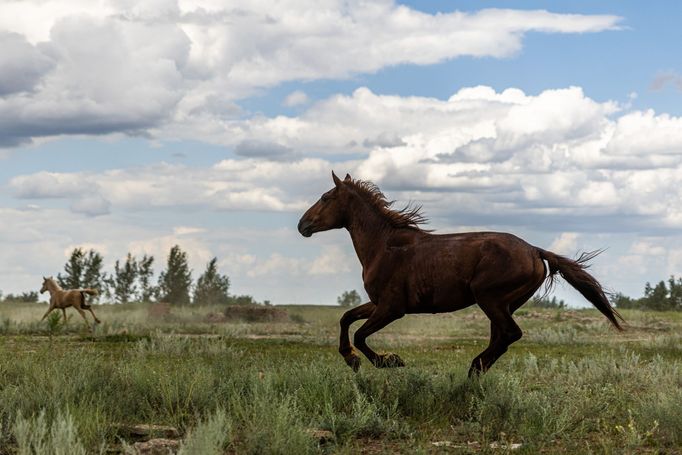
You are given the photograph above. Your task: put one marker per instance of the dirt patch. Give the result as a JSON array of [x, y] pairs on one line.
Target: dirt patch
[[250, 313], [159, 310], [158, 446], [144, 432]]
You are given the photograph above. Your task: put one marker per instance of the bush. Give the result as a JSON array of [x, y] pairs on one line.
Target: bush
[[38, 436], [255, 313]]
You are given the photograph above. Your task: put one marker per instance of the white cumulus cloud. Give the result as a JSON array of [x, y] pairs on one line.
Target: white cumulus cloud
[[167, 67]]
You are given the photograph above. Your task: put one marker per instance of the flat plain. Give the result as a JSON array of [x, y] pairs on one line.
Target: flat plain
[[225, 385]]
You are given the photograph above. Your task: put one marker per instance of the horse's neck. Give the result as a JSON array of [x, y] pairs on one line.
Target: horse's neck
[[369, 232], [54, 289]]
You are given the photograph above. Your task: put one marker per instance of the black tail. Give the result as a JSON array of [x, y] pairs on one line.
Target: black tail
[[84, 305], [574, 272]]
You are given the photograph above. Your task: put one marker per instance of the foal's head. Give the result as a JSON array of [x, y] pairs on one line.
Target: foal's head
[[46, 284], [330, 212]]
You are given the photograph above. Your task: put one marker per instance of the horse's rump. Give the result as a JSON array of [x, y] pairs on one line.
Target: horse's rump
[[82, 292], [84, 305]]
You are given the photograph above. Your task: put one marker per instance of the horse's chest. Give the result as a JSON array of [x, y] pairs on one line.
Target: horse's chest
[[383, 280]]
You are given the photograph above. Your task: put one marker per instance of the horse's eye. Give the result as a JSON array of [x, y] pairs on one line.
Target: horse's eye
[[324, 198]]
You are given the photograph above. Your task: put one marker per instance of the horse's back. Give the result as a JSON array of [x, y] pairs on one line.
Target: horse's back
[[450, 270], [67, 298], [508, 265], [468, 251]]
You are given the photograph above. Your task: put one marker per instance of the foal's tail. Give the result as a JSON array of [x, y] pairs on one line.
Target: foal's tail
[[574, 272], [88, 291]]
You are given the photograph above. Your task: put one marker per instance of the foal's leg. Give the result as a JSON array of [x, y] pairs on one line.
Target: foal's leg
[[345, 348], [93, 315], [64, 312], [379, 319], [82, 313], [48, 311]]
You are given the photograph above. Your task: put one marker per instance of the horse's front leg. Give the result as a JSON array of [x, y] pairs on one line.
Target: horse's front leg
[[345, 348], [48, 310], [380, 318]]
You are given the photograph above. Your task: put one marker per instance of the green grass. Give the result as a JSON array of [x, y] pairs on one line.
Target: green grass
[[571, 385]]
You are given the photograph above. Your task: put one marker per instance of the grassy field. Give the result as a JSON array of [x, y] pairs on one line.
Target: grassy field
[[571, 385]]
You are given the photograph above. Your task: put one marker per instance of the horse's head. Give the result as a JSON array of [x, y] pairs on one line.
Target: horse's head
[[330, 212], [46, 282]]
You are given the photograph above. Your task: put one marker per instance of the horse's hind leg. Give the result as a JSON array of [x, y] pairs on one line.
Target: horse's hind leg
[[504, 332], [379, 319], [477, 363], [64, 313], [82, 313], [345, 348], [93, 315]]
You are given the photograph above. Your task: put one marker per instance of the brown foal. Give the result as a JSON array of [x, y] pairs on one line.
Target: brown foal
[[60, 298]]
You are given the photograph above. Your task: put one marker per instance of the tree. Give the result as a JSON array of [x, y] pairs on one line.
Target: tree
[[675, 293], [124, 278], [93, 277], [73, 270], [29, 297], [546, 302], [83, 271], [661, 297], [622, 301], [212, 287], [176, 280], [24, 297], [241, 300], [144, 275], [349, 299], [655, 298]]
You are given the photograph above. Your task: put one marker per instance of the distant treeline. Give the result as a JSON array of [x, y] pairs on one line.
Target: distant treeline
[[546, 302], [26, 297], [132, 280], [664, 296]]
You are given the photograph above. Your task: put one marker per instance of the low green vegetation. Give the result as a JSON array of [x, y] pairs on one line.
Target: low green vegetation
[[571, 385]]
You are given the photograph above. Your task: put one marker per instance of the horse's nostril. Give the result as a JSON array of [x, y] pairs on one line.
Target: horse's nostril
[[304, 228]]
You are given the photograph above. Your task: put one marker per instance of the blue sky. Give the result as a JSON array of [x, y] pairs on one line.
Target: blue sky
[[609, 65], [132, 128]]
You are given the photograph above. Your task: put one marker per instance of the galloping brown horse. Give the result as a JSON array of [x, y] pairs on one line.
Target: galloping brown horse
[[407, 270], [60, 298]]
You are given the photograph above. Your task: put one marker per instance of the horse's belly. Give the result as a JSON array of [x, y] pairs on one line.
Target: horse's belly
[[442, 300]]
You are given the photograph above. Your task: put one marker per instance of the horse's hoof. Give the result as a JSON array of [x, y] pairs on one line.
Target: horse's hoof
[[353, 361], [390, 361]]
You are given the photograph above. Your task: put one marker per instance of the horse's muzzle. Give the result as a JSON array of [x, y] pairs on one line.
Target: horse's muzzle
[[305, 227]]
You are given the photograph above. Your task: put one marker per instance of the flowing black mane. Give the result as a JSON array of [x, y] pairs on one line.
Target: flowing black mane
[[407, 217]]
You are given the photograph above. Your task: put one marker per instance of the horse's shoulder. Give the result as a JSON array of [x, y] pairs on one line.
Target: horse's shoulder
[[403, 238]]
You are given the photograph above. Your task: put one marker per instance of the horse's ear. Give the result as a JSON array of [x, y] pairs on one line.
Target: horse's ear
[[337, 181], [348, 178], [44, 279]]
